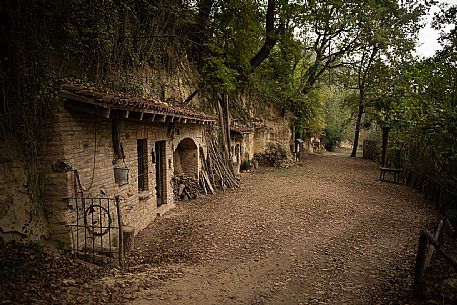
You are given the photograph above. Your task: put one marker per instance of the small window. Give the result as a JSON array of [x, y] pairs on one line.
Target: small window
[[142, 149]]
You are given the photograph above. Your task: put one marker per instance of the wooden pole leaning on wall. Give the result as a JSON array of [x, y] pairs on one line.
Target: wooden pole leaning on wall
[[121, 232], [449, 227], [227, 125]]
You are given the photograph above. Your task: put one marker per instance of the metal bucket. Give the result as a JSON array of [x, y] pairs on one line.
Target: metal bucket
[[121, 175]]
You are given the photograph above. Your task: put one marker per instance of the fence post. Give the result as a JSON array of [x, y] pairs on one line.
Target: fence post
[[121, 229], [431, 248], [419, 271]]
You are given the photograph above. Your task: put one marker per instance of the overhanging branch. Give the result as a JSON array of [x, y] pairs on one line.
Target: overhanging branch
[[271, 37]]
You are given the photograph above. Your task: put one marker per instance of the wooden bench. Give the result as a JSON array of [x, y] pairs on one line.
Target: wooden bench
[[396, 172]]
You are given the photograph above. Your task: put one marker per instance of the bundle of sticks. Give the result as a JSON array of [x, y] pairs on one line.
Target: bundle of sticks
[[217, 171]]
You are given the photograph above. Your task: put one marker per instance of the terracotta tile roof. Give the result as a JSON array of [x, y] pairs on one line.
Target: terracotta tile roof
[[109, 99]]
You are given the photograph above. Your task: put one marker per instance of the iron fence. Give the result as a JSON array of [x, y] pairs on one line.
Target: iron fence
[[96, 230]]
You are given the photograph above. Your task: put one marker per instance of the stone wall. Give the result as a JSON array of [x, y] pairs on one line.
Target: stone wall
[[186, 155], [276, 127], [271, 125], [174, 85]]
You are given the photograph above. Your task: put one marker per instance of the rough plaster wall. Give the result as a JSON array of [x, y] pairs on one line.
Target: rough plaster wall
[[169, 86], [277, 127], [272, 125], [19, 218], [57, 188], [247, 152]]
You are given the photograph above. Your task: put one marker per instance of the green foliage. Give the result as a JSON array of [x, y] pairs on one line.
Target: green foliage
[[426, 119], [218, 73], [276, 80], [337, 120], [106, 35], [246, 165]]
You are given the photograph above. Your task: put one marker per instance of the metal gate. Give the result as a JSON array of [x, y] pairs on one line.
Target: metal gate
[[96, 230]]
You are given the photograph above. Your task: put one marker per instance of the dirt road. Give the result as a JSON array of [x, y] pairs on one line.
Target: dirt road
[[327, 232]]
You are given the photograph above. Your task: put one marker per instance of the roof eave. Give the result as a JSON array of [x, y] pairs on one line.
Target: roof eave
[[95, 106]]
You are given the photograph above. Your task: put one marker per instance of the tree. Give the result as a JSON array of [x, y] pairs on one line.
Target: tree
[[365, 81], [430, 117], [329, 29], [387, 38], [271, 36]]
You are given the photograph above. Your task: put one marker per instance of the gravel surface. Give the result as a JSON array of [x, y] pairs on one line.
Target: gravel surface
[[325, 232]]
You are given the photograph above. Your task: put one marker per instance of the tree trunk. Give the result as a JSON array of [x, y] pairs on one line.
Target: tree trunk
[[385, 140], [227, 125], [223, 128], [270, 37], [362, 86], [357, 130]]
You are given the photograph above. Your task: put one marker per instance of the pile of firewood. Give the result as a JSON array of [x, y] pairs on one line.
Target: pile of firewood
[[216, 174], [185, 187], [217, 171]]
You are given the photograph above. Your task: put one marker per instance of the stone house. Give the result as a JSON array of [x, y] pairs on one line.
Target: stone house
[[106, 144], [98, 135]]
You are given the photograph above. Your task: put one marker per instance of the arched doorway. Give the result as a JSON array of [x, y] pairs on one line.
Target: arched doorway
[[185, 158]]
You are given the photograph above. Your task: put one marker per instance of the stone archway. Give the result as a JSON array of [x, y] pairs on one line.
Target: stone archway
[[185, 158]]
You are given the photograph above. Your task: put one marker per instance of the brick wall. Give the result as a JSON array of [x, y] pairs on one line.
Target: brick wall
[[186, 157], [190, 160], [85, 143]]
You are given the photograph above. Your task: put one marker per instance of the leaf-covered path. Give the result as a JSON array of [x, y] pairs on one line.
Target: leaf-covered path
[[326, 232]]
